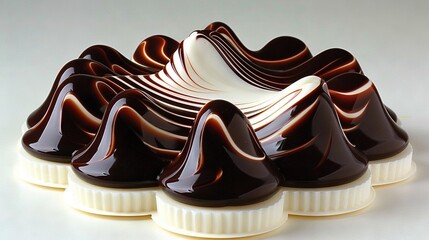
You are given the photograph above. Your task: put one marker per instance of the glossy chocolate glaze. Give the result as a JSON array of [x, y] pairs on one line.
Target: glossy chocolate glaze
[[115, 61], [325, 65], [312, 150], [72, 118], [364, 118], [155, 51], [98, 60], [135, 141], [222, 163], [77, 66], [280, 53]]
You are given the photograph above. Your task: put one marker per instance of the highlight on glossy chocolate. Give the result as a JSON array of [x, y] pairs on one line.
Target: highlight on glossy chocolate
[[97, 61], [155, 51], [280, 53], [72, 118], [365, 121], [222, 163], [311, 150], [135, 141], [371, 128], [77, 66]]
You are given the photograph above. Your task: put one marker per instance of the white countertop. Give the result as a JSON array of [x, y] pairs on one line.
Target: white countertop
[[390, 41]]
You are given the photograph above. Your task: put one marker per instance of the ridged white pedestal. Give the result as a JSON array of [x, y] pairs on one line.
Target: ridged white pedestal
[[222, 222], [330, 200], [393, 169], [110, 201], [42, 172]]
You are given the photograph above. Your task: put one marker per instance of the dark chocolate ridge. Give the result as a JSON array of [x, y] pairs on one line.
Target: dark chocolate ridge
[[372, 130], [77, 66], [155, 51], [314, 151], [222, 163], [135, 141], [115, 61], [279, 53], [72, 118]]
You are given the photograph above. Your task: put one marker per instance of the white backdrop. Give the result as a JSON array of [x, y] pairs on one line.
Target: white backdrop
[[390, 41]]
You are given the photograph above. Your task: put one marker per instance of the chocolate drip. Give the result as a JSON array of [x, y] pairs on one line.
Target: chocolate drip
[[136, 139], [280, 53], [155, 51], [77, 66], [364, 118], [72, 118], [222, 163], [313, 150]]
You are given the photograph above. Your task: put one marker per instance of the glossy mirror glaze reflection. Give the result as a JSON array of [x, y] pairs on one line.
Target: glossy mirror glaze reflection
[[77, 66], [314, 151], [365, 121], [155, 51], [325, 65], [72, 118], [222, 163], [136, 139], [280, 53], [102, 61], [115, 61], [179, 88]]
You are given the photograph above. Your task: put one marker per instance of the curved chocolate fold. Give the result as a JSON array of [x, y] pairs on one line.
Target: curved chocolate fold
[[326, 65], [77, 66], [155, 51], [72, 118], [135, 141], [222, 163], [312, 150], [364, 119], [280, 53], [115, 61]]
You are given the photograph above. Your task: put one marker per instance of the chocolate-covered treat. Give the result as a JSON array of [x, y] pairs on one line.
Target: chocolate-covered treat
[[136, 139], [222, 163]]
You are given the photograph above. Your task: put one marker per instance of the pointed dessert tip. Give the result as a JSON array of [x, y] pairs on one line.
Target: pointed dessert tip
[[364, 118], [313, 150], [136, 139], [222, 163]]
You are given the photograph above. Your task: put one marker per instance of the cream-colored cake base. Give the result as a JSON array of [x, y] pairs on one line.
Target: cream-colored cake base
[[110, 201], [329, 201], [42, 172], [223, 222], [393, 169]]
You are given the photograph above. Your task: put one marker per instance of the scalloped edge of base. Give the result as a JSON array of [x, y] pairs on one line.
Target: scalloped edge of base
[[393, 169], [329, 201], [41, 172], [105, 201], [222, 222]]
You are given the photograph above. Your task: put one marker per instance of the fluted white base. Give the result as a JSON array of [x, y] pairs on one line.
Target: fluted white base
[[110, 201], [42, 172], [393, 169], [222, 222], [329, 201]]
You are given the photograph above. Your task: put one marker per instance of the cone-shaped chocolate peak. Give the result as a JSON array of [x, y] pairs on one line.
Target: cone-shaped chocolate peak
[[365, 120], [72, 118], [222, 163], [136, 139], [313, 150]]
